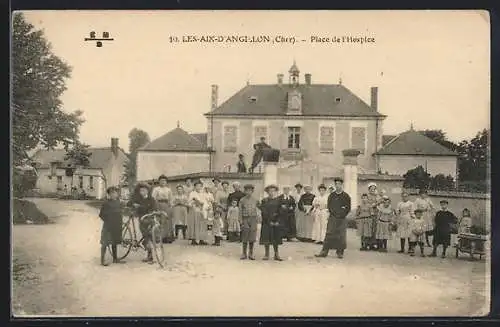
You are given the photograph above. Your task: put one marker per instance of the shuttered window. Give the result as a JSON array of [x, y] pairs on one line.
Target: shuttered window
[[260, 131], [358, 138], [326, 139], [230, 138]]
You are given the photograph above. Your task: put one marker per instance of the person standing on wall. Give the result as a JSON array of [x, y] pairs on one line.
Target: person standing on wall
[[339, 206], [241, 167]]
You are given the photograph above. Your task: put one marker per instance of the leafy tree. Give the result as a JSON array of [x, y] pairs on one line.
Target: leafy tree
[[79, 154], [473, 161], [439, 136], [38, 81], [137, 139], [442, 182], [417, 178], [23, 181]]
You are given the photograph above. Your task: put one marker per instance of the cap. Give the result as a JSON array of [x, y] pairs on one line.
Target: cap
[[198, 181], [444, 201], [225, 183], [308, 187], [248, 187], [321, 186], [270, 187], [298, 185], [418, 211], [338, 179]]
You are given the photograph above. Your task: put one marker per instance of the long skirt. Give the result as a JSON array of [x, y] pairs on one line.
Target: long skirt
[[168, 231], [429, 221], [179, 215], [364, 227], [299, 222], [290, 225], [308, 226], [197, 226], [271, 235], [403, 226], [383, 230], [319, 225], [336, 234]]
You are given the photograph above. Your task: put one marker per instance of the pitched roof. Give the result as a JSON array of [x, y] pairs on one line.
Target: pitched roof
[[317, 100], [387, 138], [414, 143], [202, 137], [99, 157], [177, 140]]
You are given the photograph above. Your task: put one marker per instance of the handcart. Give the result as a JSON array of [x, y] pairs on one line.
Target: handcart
[[473, 244]]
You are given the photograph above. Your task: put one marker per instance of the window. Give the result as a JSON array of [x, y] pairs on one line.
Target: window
[[59, 183], [53, 168], [294, 137], [80, 181], [253, 99], [91, 182], [230, 138], [260, 131], [326, 139], [358, 138], [337, 100]]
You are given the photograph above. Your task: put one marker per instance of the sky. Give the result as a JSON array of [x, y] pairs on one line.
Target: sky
[[432, 68]]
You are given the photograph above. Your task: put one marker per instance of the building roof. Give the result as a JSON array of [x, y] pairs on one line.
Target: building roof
[[317, 100], [202, 137], [177, 140], [100, 157], [387, 138], [412, 142]]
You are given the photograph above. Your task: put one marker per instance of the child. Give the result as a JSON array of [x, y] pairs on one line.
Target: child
[[144, 204], [180, 211], [111, 215], [248, 221], [417, 233], [442, 228], [272, 228], [233, 222], [465, 223], [405, 213], [364, 221], [386, 216]]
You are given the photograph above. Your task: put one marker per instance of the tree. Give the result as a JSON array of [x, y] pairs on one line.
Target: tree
[[137, 139], [473, 160], [439, 136], [38, 81], [417, 178], [442, 183], [79, 154]]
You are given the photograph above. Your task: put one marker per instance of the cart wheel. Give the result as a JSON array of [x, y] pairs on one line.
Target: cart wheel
[[157, 245], [456, 253]]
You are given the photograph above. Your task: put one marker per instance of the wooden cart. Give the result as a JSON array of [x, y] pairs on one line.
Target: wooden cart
[[473, 244]]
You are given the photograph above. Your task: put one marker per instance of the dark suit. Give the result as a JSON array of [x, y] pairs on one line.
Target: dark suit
[[287, 215]]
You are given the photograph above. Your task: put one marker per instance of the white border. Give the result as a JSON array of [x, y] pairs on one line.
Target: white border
[[359, 124], [235, 123], [327, 124]]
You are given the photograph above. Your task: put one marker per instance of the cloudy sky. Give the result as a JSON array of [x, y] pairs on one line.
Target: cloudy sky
[[431, 67]]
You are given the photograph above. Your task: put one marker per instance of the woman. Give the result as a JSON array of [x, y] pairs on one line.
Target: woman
[[405, 211], [375, 199], [298, 216], [305, 206], [163, 196], [222, 205], [180, 211], [197, 230], [271, 232], [320, 214], [427, 207]]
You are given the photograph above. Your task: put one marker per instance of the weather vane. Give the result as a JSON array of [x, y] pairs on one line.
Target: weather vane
[[105, 37]]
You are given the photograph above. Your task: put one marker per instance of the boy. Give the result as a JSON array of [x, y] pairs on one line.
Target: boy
[[111, 215], [442, 228], [417, 232], [144, 204], [248, 221], [364, 221]]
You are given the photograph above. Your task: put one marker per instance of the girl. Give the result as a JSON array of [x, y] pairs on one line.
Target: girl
[[210, 213], [163, 196], [465, 222], [197, 229], [364, 221], [221, 201], [111, 215], [386, 217], [180, 211], [405, 211], [320, 214], [271, 231], [425, 204], [375, 200], [417, 232], [233, 224]]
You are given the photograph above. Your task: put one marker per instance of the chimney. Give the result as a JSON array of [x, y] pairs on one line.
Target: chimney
[[308, 79], [215, 96], [114, 145], [280, 79], [374, 98]]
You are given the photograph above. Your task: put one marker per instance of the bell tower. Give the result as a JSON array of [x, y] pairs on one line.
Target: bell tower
[[294, 75]]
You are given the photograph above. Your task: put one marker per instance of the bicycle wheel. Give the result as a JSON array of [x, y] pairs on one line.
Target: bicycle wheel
[[157, 244], [123, 249]]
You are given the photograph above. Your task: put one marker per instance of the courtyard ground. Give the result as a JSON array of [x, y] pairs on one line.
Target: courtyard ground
[[57, 273]]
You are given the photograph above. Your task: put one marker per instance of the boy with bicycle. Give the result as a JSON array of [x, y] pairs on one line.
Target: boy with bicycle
[[144, 204], [111, 233]]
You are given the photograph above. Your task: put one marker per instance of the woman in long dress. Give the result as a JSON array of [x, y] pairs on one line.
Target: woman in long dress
[[375, 199], [298, 216], [405, 211], [180, 211], [197, 230], [222, 205], [305, 207], [320, 214], [163, 196], [428, 211]]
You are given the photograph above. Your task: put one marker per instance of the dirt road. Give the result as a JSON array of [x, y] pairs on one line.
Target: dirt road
[[58, 273]]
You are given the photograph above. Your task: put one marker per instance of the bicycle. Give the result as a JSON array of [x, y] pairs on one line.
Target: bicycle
[[130, 239]]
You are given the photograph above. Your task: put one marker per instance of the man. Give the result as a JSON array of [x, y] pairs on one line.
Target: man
[[287, 214], [259, 153], [339, 205], [241, 167], [248, 211]]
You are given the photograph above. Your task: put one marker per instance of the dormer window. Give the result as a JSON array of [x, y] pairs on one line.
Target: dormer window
[[294, 102], [337, 100], [253, 99]]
